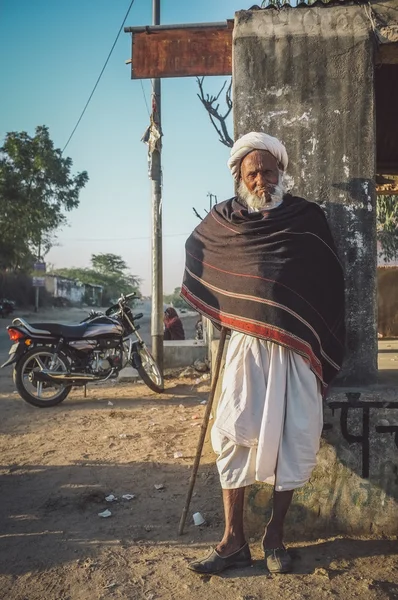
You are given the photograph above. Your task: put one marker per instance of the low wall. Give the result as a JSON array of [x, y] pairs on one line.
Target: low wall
[[176, 354], [183, 353], [354, 488]]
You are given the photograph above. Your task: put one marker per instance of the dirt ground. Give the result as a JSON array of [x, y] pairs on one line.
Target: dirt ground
[[59, 464]]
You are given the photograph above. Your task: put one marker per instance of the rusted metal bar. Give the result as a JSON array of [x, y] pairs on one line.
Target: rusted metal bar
[[152, 28]]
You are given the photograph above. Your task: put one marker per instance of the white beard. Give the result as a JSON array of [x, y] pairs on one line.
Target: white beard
[[256, 202]]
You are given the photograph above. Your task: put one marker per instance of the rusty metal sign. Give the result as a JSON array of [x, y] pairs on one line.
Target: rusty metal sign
[[182, 52]]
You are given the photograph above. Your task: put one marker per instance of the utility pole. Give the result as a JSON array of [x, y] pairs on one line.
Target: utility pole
[[211, 196], [37, 289], [157, 259], [36, 299]]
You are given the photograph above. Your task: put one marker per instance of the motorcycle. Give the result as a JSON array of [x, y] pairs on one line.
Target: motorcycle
[[6, 307], [51, 358]]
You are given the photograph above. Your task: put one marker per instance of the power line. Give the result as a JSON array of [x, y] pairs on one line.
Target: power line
[[130, 239], [99, 77], [145, 100]]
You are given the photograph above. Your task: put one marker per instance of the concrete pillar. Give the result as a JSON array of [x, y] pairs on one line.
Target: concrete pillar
[[306, 75]]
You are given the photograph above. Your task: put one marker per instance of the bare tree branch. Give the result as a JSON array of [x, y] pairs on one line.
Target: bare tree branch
[[217, 119], [197, 214]]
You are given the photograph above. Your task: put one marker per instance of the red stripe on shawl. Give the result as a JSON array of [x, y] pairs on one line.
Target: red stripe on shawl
[[270, 281], [257, 330]]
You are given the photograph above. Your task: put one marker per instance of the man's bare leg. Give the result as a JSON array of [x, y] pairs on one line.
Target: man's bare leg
[[273, 537], [234, 537]]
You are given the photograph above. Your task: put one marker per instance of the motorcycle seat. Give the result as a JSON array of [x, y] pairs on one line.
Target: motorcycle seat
[[60, 329], [21, 322]]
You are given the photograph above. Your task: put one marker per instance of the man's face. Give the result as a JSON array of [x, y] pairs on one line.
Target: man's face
[[259, 172]]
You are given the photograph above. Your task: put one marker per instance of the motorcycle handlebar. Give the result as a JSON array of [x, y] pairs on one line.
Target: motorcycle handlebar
[[121, 300]]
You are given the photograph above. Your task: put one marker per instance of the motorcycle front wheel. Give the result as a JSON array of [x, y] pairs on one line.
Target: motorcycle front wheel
[[148, 370], [41, 394]]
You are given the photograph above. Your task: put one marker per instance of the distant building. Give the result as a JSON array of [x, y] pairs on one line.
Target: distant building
[[73, 290]]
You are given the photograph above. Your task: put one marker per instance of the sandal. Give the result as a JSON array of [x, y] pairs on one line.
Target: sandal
[[278, 560], [214, 563]]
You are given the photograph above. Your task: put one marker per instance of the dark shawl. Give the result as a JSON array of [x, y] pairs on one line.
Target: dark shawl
[[272, 274]]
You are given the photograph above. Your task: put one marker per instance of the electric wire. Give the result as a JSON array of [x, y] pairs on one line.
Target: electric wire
[[129, 239], [99, 77], [145, 100]]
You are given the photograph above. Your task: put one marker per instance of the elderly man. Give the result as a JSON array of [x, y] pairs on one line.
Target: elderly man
[[263, 264]]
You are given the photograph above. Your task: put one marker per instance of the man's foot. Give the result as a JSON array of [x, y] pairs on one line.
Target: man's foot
[[231, 545], [273, 538], [277, 558], [214, 563]]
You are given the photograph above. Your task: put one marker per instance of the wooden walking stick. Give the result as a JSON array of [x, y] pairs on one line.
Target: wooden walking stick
[[205, 423]]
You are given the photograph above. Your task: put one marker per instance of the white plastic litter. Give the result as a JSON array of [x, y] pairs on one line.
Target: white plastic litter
[[204, 402], [110, 498], [110, 403], [105, 514], [159, 486], [178, 455], [198, 519], [122, 436], [128, 496]]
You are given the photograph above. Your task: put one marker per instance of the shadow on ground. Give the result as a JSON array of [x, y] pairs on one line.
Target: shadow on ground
[[50, 516]]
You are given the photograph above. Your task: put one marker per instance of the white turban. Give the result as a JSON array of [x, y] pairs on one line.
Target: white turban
[[256, 141]]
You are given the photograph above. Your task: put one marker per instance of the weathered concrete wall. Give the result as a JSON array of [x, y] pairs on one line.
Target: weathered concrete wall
[[306, 75], [337, 498]]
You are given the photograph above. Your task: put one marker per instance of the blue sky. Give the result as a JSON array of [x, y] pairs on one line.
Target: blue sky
[[55, 51]]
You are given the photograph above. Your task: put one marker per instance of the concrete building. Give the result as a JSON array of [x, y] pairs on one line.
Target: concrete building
[[72, 290]]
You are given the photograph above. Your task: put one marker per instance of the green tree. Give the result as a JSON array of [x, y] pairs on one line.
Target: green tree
[[108, 263], [175, 299], [108, 270], [36, 189], [387, 225]]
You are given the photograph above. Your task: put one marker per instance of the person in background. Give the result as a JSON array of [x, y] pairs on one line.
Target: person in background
[[173, 328], [199, 329]]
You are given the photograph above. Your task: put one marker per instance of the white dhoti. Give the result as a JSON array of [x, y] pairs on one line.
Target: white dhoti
[[269, 417]]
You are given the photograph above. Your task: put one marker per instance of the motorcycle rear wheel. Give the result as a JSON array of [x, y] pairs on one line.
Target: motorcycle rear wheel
[[148, 370], [36, 359]]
